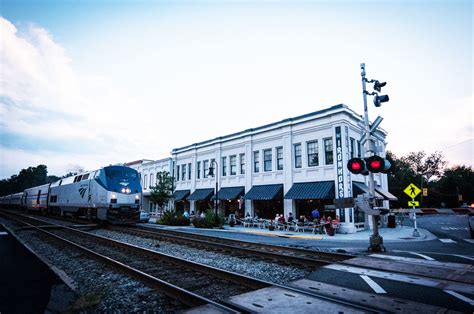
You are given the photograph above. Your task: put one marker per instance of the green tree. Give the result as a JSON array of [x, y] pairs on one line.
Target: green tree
[[457, 180], [162, 191], [400, 177]]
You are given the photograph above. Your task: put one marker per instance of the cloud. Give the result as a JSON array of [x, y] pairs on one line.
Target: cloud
[[46, 107]]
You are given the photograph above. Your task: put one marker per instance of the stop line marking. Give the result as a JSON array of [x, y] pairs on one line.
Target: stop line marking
[[3, 233], [460, 297], [375, 286], [447, 240], [469, 240]]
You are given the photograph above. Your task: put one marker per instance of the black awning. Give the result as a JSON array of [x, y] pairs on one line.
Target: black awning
[[180, 195], [201, 195], [386, 194], [311, 191], [265, 192], [361, 188], [230, 193]]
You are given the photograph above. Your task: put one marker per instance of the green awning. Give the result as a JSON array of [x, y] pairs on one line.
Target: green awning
[[311, 191], [180, 195], [230, 193], [265, 192], [201, 195]]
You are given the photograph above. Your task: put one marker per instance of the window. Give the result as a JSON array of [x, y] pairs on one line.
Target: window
[[352, 147], [312, 148], [256, 162], [279, 151], [233, 165], [177, 172], [183, 172], [189, 171], [198, 169], [151, 179], [144, 181], [38, 197], [359, 151], [205, 169], [85, 177], [328, 151], [267, 160], [242, 163], [224, 166], [297, 148]]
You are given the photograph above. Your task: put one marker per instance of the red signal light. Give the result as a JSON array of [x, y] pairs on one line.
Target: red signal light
[[375, 164], [357, 166]]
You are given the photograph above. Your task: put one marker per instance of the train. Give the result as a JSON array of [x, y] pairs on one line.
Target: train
[[110, 194]]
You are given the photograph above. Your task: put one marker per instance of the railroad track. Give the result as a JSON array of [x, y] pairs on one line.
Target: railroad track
[[243, 249], [189, 283]]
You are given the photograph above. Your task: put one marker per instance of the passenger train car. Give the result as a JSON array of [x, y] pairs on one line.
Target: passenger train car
[[110, 194]]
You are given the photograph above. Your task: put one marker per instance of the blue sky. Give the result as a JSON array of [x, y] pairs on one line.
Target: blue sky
[[88, 83]]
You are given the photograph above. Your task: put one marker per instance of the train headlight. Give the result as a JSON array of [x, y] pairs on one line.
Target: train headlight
[[137, 197], [114, 196], [123, 190], [128, 190]]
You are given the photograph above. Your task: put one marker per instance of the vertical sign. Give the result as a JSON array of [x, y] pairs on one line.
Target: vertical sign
[[339, 169]]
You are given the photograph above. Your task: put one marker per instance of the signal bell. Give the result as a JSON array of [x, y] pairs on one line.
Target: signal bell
[[357, 166]]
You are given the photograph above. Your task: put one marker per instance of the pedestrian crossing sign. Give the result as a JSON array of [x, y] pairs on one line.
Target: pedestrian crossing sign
[[413, 203], [412, 190]]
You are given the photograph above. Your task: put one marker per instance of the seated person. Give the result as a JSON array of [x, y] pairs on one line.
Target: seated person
[[302, 219], [290, 217], [281, 219]]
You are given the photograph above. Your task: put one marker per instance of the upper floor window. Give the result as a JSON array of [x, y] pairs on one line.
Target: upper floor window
[[267, 160], [279, 152], [198, 169], [205, 169], [328, 151], [145, 181], [242, 163], [352, 147], [183, 172], [189, 171], [224, 166], [312, 150], [359, 150], [151, 179], [298, 154], [177, 173], [256, 161], [233, 165]]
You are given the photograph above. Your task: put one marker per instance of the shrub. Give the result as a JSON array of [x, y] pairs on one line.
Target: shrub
[[172, 218], [208, 221]]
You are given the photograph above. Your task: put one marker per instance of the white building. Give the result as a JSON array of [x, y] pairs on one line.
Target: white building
[[290, 166]]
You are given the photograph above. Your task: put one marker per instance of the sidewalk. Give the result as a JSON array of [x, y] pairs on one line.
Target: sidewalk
[[389, 234]]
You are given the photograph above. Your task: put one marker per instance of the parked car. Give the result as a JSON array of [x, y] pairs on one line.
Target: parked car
[[144, 216]]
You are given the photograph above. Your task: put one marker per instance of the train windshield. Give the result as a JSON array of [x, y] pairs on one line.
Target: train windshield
[[120, 173]]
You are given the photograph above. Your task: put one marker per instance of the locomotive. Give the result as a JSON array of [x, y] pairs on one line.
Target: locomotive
[[111, 194]]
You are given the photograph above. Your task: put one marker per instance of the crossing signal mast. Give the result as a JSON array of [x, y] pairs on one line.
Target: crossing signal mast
[[371, 163]]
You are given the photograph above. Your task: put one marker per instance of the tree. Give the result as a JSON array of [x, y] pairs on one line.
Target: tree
[[162, 191], [426, 167], [458, 180], [399, 177]]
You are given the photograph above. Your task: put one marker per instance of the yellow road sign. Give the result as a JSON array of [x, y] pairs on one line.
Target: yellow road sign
[[413, 203], [412, 190]]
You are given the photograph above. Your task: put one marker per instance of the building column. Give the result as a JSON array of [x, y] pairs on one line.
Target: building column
[[192, 205], [249, 208]]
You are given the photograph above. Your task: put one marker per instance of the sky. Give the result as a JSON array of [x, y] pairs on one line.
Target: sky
[[84, 84]]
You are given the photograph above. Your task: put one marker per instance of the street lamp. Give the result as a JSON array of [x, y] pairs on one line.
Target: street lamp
[[211, 173]]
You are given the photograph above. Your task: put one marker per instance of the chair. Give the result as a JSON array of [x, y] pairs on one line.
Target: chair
[[299, 226]]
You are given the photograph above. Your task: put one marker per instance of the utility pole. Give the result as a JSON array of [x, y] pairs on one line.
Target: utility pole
[[376, 241]]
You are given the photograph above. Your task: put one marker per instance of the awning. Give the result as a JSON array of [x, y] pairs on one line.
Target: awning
[[386, 194], [264, 192], [230, 193], [201, 194], [311, 191], [361, 188], [180, 195]]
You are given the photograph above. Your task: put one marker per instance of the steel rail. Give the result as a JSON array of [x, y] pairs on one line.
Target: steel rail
[[227, 275]]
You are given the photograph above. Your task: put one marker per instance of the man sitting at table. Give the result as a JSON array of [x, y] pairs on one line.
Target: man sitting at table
[[315, 215]]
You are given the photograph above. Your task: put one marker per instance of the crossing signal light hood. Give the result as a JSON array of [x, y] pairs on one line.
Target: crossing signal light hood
[[379, 99], [378, 164]]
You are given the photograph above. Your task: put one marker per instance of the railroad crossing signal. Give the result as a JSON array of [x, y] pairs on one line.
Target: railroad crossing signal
[[412, 190], [413, 203]]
